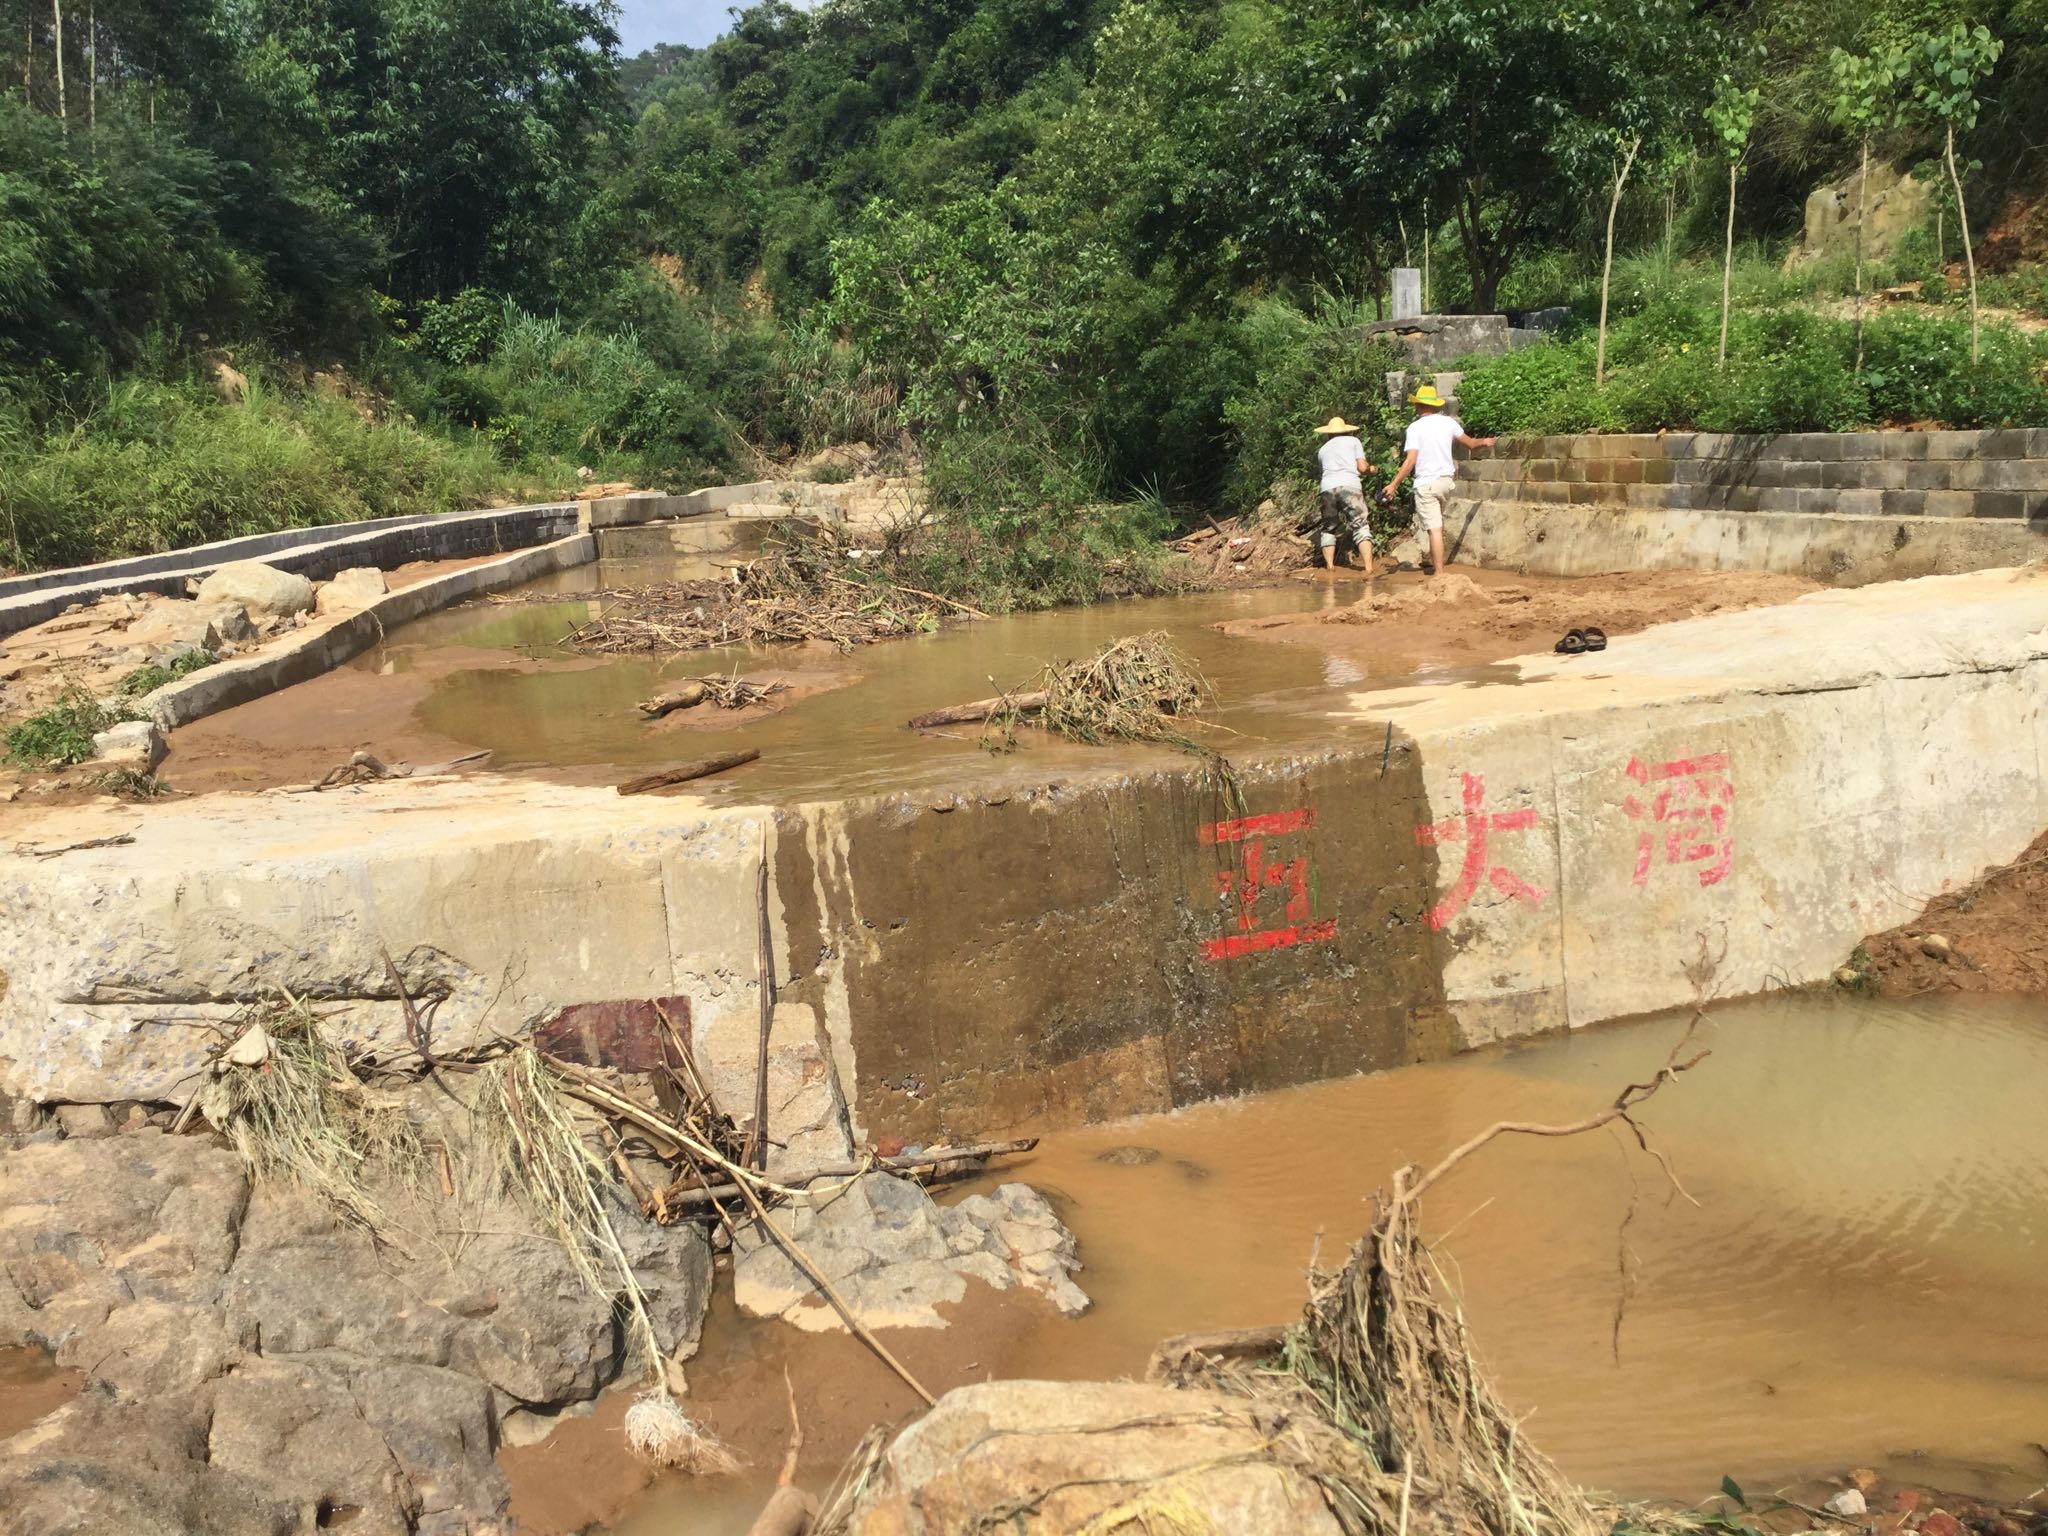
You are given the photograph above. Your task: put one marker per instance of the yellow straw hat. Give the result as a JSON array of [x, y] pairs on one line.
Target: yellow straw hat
[[1427, 395], [1335, 425]]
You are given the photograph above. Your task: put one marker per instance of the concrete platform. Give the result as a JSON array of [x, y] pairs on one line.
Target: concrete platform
[[1755, 791]]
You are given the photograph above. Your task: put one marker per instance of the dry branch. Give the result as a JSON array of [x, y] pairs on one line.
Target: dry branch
[[682, 774]]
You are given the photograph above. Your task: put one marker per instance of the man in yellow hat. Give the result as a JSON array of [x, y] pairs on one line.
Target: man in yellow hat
[[1426, 454], [1343, 461]]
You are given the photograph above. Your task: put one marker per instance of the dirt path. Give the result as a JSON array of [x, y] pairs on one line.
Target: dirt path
[[1990, 936], [1481, 616]]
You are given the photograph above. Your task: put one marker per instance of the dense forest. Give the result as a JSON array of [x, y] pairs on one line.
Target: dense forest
[[1095, 263]]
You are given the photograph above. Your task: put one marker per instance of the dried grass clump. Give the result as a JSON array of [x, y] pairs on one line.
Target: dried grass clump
[[527, 1136], [287, 1100]]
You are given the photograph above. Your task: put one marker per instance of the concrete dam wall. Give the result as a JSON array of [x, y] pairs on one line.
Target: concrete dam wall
[[1755, 791], [1843, 508]]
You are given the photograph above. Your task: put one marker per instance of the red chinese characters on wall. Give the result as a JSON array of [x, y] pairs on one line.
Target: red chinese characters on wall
[[1266, 875], [1686, 807], [1475, 829]]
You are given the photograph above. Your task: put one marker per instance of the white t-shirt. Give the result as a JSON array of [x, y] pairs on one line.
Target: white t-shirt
[[1339, 458], [1431, 437]]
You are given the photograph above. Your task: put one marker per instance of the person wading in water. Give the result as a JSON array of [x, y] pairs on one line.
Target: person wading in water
[[1427, 455], [1342, 507]]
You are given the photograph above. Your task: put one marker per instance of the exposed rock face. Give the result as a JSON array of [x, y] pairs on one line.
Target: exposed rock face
[[896, 1256], [262, 590], [270, 1363], [1896, 205], [977, 1460], [806, 1117]]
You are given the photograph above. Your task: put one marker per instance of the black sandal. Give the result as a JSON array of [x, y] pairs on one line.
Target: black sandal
[[1596, 639], [1574, 642]]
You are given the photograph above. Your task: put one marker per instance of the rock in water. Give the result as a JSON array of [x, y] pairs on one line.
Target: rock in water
[[1128, 1157], [263, 590], [1848, 1504], [895, 1256], [1199, 1460]]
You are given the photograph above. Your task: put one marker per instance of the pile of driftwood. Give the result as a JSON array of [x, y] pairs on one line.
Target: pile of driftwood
[[1234, 550], [808, 588], [1138, 688], [733, 692]]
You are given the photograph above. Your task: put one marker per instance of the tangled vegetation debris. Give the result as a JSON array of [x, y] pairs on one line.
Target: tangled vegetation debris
[[808, 587]]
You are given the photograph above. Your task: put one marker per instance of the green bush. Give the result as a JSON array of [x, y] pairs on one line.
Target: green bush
[[147, 679], [1544, 388], [161, 466], [62, 734]]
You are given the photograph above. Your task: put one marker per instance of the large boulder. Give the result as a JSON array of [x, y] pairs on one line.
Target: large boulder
[[262, 590], [350, 591], [1045, 1457]]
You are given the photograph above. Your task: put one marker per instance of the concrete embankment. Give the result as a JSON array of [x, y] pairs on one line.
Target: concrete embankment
[[1555, 848], [1845, 508]]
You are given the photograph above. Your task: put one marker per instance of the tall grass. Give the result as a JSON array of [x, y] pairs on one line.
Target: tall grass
[[156, 465]]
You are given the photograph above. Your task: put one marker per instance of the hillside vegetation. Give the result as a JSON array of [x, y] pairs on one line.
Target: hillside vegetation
[[1091, 261]]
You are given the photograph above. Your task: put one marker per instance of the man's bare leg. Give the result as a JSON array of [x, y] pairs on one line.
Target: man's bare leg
[[1436, 551], [1365, 557]]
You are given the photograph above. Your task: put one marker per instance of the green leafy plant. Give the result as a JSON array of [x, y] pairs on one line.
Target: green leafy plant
[[1946, 70], [62, 734], [147, 679], [1862, 101], [1730, 115]]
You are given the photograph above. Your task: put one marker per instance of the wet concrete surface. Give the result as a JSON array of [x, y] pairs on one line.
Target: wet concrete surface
[[1863, 1282]]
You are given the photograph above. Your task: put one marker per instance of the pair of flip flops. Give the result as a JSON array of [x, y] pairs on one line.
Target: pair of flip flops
[[1578, 641]]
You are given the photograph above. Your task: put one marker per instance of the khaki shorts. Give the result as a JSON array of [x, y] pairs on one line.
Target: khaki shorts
[[1431, 496]]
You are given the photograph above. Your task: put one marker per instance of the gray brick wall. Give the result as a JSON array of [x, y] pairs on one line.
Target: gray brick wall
[[2000, 474]]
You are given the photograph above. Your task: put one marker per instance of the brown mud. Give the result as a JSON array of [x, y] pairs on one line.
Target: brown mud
[[1482, 616], [1862, 1284], [1995, 930]]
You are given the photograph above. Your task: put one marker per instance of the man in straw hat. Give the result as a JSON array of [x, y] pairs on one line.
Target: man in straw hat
[[1426, 453], [1342, 457]]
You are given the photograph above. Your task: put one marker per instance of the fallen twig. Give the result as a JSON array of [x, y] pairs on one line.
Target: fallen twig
[[923, 1162], [118, 840], [688, 771]]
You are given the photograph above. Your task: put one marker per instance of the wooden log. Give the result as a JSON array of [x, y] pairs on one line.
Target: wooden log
[[944, 1157], [689, 771], [1174, 1355], [689, 696], [980, 709]]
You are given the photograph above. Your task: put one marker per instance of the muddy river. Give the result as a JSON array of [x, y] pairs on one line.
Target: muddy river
[[1863, 1281]]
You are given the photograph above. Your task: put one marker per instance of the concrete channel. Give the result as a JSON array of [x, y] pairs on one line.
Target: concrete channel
[[1551, 849]]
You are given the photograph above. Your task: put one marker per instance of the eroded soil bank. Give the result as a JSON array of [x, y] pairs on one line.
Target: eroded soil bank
[[1989, 936], [1855, 1288]]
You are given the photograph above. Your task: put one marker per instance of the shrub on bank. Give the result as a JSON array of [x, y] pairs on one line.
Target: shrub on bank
[[161, 465], [1787, 371]]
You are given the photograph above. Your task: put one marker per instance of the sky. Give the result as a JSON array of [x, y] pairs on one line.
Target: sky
[[643, 23]]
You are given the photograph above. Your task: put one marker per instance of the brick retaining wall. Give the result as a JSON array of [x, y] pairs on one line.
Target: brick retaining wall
[[1857, 474]]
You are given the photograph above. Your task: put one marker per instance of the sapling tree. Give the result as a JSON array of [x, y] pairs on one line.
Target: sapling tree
[[1861, 103], [1730, 115], [1946, 69], [1621, 170]]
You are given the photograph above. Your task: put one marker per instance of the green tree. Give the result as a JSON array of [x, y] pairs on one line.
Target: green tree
[[1862, 103], [1946, 72], [1730, 115]]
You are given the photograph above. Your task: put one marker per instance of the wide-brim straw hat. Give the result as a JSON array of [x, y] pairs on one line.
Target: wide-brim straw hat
[[1427, 395], [1335, 425]]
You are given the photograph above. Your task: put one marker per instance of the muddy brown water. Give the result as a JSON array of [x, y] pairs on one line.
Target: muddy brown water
[[1863, 1282], [494, 676]]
